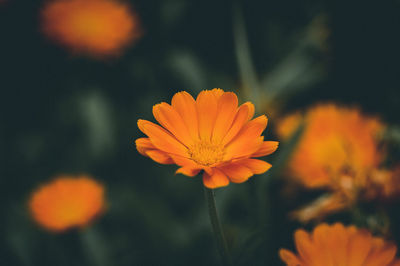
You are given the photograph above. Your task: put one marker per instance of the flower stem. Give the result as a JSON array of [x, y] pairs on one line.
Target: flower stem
[[217, 229]]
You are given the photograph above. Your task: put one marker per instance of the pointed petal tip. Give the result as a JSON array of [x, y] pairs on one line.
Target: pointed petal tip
[[268, 147], [138, 141], [256, 166], [140, 124], [180, 94], [262, 119], [288, 257], [251, 109]]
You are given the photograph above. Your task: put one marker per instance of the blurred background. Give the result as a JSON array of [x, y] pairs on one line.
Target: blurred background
[[63, 113]]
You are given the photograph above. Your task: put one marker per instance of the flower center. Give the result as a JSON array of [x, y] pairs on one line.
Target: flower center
[[206, 153]]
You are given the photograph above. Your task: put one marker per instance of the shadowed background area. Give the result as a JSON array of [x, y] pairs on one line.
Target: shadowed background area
[[66, 113]]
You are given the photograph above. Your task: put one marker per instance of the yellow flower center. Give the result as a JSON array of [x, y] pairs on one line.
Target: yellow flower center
[[207, 153]]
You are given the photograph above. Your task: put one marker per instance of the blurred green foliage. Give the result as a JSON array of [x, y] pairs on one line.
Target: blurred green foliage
[[66, 114]]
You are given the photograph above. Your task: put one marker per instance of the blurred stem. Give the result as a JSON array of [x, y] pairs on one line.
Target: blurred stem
[[217, 229], [247, 70], [264, 207], [93, 246]]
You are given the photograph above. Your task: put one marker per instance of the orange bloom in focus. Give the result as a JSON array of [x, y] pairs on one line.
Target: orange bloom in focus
[[338, 147], [94, 27], [67, 202], [210, 133], [337, 245]]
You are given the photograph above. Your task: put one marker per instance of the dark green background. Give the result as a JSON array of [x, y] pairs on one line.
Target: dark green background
[[66, 114]]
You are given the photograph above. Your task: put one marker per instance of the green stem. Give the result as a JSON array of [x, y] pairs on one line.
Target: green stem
[[217, 229], [94, 246]]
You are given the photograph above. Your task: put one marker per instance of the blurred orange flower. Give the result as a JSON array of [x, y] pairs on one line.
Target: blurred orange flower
[[67, 202], [338, 150], [210, 133], [336, 142], [94, 27], [337, 245]]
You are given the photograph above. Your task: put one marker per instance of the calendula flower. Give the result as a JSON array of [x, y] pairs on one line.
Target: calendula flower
[[336, 142], [94, 27], [67, 202], [337, 245], [339, 151], [210, 133]]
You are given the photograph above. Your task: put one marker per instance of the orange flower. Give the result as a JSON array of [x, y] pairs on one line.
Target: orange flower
[[339, 146], [67, 202], [338, 150], [210, 133], [336, 245], [95, 27]]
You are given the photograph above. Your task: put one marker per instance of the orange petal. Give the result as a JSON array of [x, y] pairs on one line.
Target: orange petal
[[251, 110], [253, 129], [169, 118], [238, 123], [289, 258], [256, 166], [236, 173], [206, 104], [227, 106], [247, 141], [217, 179], [185, 105], [159, 156], [321, 237], [358, 249], [244, 147], [161, 138], [143, 145], [266, 148], [382, 256], [320, 233], [185, 162], [208, 170], [187, 171], [338, 242], [304, 245]]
